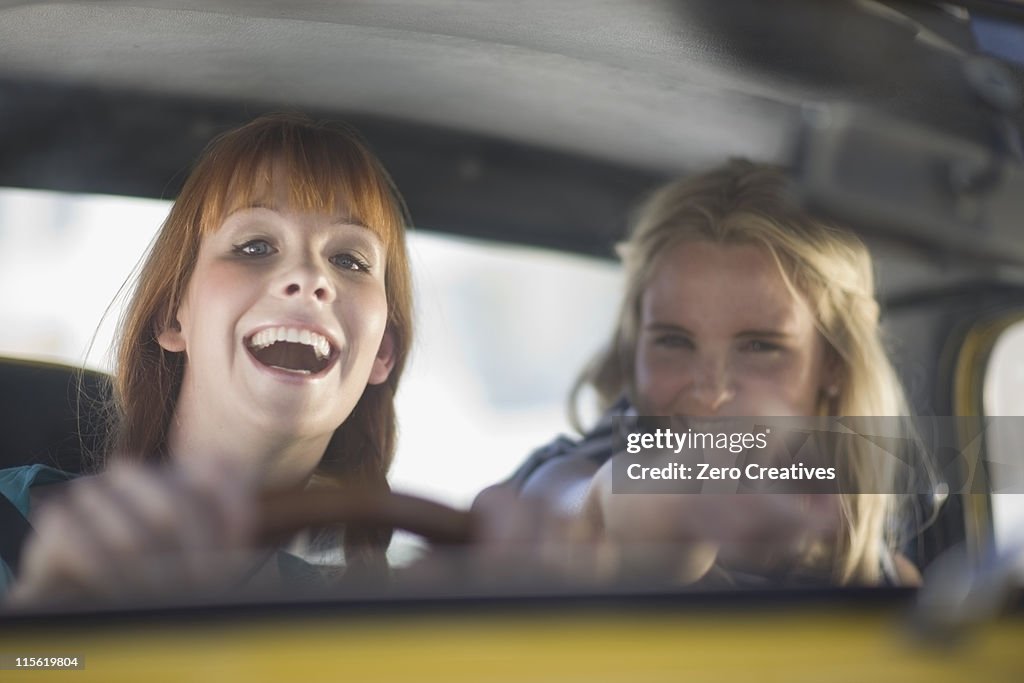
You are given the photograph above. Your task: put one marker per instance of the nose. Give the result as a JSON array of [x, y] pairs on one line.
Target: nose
[[305, 279], [712, 387]]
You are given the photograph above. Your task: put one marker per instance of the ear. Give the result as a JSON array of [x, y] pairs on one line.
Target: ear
[[385, 360], [832, 375], [170, 338]]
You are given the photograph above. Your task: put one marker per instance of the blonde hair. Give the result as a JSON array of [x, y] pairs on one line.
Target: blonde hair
[[329, 170], [746, 203]]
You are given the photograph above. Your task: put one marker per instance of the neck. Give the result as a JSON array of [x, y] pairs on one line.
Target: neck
[[276, 460]]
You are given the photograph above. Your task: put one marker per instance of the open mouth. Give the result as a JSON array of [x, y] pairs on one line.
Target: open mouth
[[299, 351]]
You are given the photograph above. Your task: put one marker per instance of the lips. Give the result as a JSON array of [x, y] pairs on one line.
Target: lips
[[296, 350]]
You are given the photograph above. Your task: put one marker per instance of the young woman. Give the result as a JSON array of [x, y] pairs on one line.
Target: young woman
[[260, 352], [738, 303]]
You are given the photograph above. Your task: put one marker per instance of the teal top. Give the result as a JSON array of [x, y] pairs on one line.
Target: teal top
[[15, 485]]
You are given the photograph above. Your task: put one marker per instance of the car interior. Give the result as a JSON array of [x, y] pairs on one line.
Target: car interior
[[542, 125]]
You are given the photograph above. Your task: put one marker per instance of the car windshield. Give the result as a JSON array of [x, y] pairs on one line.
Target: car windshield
[[539, 150]]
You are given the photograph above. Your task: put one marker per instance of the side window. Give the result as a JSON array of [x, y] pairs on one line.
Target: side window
[[63, 259], [1003, 396]]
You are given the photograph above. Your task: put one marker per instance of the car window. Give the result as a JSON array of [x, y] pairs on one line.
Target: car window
[[501, 334], [1004, 396], [63, 258]]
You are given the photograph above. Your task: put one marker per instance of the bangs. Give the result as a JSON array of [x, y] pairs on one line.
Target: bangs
[[325, 167]]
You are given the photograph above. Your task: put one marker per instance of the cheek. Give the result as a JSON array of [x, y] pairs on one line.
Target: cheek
[[213, 284], [364, 313], [216, 296], [789, 388], [229, 281], [659, 379]]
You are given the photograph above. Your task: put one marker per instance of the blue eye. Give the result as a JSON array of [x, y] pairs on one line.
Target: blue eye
[[254, 248], [350, 262]]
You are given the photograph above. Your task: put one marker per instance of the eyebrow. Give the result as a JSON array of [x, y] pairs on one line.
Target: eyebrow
[[345, 220], [667, 327], [764, 334]]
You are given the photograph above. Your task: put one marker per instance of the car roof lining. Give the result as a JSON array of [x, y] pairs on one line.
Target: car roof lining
[[551, 94], [597, 102], [631, 82]]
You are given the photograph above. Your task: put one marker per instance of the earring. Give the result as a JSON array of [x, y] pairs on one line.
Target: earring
[[832, 390]]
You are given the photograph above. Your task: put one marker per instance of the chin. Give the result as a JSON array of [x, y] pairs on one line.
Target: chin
[[295, 419]]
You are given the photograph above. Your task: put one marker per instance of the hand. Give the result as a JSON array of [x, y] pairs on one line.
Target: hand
[[682, 535], [675, 538], [532, 538], [139, 532]]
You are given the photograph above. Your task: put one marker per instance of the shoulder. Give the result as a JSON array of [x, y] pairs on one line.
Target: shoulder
[[906, 573], [570, 455], [16, 483]]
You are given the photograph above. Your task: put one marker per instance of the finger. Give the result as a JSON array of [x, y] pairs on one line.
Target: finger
[[505, 519], [195, 519], [131, 531], [118, 529], [60, 562], [226, 493], [155, 530], [161, 516], [224, 504]]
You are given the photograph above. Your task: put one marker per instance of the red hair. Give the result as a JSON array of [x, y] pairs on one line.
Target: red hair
[[329, 170]]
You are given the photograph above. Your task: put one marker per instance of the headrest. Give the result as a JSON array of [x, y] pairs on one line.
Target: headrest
[[51, 414]]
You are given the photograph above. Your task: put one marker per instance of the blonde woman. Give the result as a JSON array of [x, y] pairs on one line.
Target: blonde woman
[[737, 303]]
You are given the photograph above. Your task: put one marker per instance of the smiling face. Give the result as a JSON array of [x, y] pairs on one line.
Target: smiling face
[[283, 325], [722, 335]]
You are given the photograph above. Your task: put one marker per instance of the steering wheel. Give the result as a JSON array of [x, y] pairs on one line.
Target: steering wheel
[[284, 514]]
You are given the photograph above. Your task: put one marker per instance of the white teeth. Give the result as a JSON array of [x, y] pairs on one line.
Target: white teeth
[[292, 370], [322, 346], [270, 335]]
